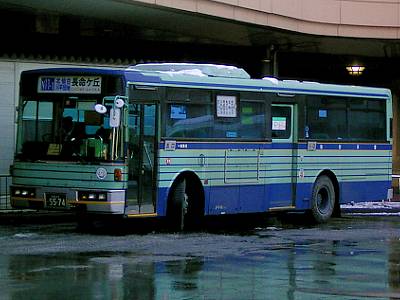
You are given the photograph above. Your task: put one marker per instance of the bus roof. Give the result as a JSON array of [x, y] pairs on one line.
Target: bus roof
[[207, 76], [192, 77]]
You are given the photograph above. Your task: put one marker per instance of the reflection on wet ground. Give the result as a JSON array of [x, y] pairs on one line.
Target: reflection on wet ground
[[357, 258]]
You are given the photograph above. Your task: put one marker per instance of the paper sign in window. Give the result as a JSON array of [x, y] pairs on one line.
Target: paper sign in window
[[278, 123], [226, 106]]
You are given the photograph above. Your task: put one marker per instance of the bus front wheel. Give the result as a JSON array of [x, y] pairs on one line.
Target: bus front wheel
[[323, 199], [178, 207]]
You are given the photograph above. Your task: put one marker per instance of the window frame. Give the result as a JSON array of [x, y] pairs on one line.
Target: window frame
[[260, 98], [347, 104]]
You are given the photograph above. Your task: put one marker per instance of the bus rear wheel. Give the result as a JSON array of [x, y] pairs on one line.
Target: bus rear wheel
[[323, 199]]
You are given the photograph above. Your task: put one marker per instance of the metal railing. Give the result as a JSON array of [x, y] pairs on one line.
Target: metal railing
[[5, 181]]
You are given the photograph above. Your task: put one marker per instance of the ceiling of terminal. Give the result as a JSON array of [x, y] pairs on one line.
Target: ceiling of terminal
[[127, 28], [154, 23]]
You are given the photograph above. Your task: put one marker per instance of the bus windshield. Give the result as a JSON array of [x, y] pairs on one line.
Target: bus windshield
[[66, 128]]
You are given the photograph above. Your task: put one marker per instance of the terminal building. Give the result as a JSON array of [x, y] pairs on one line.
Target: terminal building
[[355, 42]]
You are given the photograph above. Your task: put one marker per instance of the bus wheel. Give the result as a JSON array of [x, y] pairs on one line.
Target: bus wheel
[[178, 207], [323, 199]]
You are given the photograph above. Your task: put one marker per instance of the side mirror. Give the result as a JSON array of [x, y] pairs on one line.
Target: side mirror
[[100, 108], [119, 103]]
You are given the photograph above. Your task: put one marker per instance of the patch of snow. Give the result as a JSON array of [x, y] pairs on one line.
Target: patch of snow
[[273, 228], [25, 235], [372, 205], [374, 214], [194, 69], [272, 80], [191, 72]]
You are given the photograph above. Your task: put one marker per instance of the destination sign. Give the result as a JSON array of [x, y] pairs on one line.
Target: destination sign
[[70, 84]]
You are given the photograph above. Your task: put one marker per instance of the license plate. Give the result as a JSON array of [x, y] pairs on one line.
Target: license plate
[[56, 200]]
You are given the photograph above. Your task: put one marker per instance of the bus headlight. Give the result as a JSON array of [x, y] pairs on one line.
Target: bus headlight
[[92, 196], [23, 192], [103, 196]]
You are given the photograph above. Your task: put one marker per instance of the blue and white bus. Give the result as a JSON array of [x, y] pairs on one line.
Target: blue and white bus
[[184, 141]]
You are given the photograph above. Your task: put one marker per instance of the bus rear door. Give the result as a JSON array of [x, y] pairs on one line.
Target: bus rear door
[[141, 195], [281, 172]]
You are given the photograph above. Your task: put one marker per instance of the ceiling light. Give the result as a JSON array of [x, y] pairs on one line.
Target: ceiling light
[[355, 70]]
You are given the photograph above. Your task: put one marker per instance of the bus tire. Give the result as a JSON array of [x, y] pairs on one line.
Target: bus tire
[[177, 207], [323, 199]]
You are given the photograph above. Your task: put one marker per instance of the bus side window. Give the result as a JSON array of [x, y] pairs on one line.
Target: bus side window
[[326, 118], [192, 120], [252, 120]]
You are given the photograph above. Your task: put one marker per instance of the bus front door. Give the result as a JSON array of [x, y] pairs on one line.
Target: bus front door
[[282, 174], [142, 126]]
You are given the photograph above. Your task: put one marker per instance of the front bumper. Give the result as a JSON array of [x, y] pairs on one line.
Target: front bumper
[[67, 199]]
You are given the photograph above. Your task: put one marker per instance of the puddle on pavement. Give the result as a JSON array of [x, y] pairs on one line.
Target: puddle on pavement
[[310, 270], [269, 263]]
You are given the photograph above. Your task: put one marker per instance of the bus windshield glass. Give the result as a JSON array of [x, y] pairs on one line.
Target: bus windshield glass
[[66, 128]]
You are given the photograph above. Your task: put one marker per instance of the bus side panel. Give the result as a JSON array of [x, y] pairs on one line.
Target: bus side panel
[[230, 174], [252, 198], [218, 200], [364, 191], [362, 170], [278, 194], [303, 195], [162, 199], [223, 200]]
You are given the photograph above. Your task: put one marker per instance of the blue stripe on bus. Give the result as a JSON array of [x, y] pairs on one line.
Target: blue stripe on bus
[[260, 178], [221, 146], [320, 163], [267, 145], [265, 165], [286, 170], [329, 146], [259, 198]]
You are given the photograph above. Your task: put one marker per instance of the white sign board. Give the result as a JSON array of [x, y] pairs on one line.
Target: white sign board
[[70, 84]]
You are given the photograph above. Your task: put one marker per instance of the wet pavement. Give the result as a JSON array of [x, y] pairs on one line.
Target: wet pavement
[[351, 257]]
